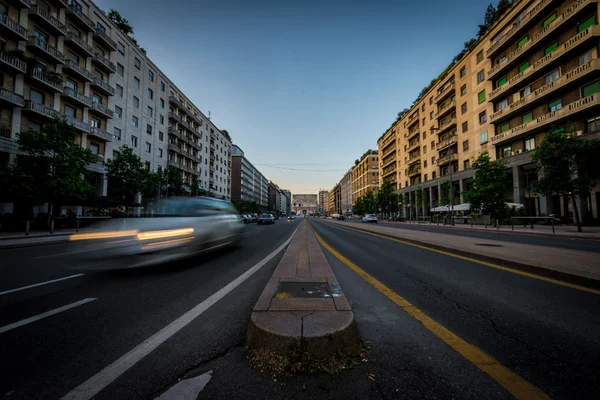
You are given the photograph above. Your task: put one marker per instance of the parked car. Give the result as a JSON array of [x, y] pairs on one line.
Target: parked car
[[341, 218], [246, 218], [254, 217], [370, 218], [266, 219]]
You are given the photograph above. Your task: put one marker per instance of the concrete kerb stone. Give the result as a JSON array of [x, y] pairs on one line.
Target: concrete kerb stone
[[286, 324]]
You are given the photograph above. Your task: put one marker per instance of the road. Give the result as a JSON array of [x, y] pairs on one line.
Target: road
[[546, 333]]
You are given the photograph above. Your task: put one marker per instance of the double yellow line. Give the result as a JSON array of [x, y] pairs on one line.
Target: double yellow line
[[512, 382]]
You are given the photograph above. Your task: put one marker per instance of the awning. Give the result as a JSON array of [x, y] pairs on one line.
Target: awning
[[466, 206]]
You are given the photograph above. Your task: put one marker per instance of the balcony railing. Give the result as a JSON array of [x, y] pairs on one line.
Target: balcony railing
[[175, 147], [445, 92], [13, 27], [46, 48], [11, 97], [413, 118], [446, 107], [40, 109], [414, 159], [49, 20], [549, 118], [391, 136], [416, 170], [445, 143], [104, 62], [79, 42], [448, 158], [79, 125], [101, 108], [174, 132], [5, 132], [98, 82], [104, 38], [388, 161], [100, 134], [13, 62], [72, 93], [446, 124], [389, 151], [56, 84], [175, 117], [78, 69], [79, 16], [413, 146]]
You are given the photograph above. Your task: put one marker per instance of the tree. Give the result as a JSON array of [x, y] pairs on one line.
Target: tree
[[370, 202], [226, 134], [419, 197], [120, 22], [490, 16], [567, 166], [176, 185], [195, 186], [385, 194], [503, 6], [487, 192], [50, 168], [127, 175]]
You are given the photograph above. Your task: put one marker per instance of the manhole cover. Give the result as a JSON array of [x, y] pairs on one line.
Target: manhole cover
[[488, 245], [317, 290]]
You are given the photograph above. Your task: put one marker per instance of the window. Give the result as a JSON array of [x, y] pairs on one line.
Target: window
[[161, 136], [480, 76], [483, 137], [481, 96], [137, 63], [70, 111], [150, 93], [121, 48], [96, 99], [463, 108], [120, 90], [120, 69], [504, 127], [431, 115], [502, 104], [593, 124], [36, 96], [585, 57], [136, 102], [465, 127], [162, 119], [150, 111], [95, 123], [425, 149], [590, 89], [134, 121], [34, 126], [151, 76], [482, 117], [423, 107], [467, 164], [463, 90], [424, 135], [432, 145], [522, 41], [500, 59], [133, 140], [527, 117], [162, 86], [117, 133], [551, 48], [530, 144], [525, 92], [433, 174], [463, 72], [431, 100], [433, 160], [160, 153], [480, 57], [162, 103], [524, 66], [425, 177], [149, 129], [555, 105], [424, 121], [73, 57], [136, 82], [94, 148], [148, 147], [118, 112], [506, 151], [554, 75], [100, 27], [549, 20], [586, 24], [424, 163], [501, 82], [70, 84]]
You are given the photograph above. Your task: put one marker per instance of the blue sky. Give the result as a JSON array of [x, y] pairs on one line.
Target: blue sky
[[306, 85]]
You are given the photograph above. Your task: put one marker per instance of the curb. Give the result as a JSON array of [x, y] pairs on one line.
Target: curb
[[537, 270], [33, 244]]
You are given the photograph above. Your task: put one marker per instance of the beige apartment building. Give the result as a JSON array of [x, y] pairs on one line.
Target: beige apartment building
[[536, 69], [65, 58], [323, 201], [365, 176], [346, 193]]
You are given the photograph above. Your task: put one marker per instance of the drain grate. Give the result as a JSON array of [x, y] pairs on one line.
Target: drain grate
[[488, 245]]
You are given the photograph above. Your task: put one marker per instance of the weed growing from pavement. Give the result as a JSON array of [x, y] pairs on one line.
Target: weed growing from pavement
[[298, 361]]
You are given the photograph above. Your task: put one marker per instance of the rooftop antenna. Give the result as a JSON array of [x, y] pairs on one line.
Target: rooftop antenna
[[208, 114]]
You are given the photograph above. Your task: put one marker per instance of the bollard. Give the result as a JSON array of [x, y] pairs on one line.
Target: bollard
[[52, 226], [27, 228]]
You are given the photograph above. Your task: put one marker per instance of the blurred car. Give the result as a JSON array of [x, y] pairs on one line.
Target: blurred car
[[246, 218], [290, 218], [370, 218], [341, 218], [254, 217], [188, 226], [266, 219]]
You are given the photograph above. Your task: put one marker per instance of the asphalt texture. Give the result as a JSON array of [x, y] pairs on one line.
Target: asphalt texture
[[546, 333]]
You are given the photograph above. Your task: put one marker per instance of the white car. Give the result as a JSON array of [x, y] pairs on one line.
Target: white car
[[370, 218]]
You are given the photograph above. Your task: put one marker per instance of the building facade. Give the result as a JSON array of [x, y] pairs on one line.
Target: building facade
[[323, 201], [247, 183], [346, 193], [535, 70], [288, 201], [305, 202], [365, 176]]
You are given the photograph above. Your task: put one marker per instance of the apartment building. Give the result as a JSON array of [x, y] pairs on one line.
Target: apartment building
[[247, 183], [331, 209], [65, 58], [346, 192], [288, 201], [534, 71], [323, 201], [365, 175]]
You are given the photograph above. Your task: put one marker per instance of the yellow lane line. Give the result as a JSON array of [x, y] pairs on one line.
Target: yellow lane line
[[509, 380], [487, 264]]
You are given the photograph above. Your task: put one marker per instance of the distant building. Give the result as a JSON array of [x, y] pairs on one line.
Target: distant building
[[323, 201], [247, 183], [288, 201], [302, 202], [346, 193], [365, 175]]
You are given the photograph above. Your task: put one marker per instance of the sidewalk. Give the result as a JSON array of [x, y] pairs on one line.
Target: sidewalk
[[571, 265], [11, 240]]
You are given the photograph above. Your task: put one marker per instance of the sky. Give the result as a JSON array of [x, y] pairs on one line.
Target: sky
[[303, 87]]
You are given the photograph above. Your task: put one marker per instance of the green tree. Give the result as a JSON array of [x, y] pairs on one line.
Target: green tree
[[226, 134], [370, 202], [487, 191], [127, 175], [385, 195], [359, 206], [195, 186], [419, 197], [120, 22], [50, 168], [567, 166], [175, 183]]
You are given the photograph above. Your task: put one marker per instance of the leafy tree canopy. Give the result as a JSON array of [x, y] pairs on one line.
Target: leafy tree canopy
[[487, 192]]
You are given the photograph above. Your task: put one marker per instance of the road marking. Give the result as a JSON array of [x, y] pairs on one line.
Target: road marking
[[509, 380], [187, 388], [40, 284], [487, 264], [96, 383], [29, 320]]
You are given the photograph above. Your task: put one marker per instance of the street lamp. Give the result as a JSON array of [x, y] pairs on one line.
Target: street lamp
[[455, 133]]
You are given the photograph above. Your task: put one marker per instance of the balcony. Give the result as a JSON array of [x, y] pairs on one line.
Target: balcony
[[446, 108], [568, 111], [173, 163], [447, 159], [11, 62], [388, 162], [412, 171], [388, 151], [387, 139], [446, 124], [104, 39], [103, 86], [445, 92], [414, 159], [79, 43], [100, 134], [174, 147], [10, 98], [389, 171], [40, 110], [174, 132], [77, 97], [570, 79], [71, 66], [82, 20], [77, 124], [5, 132], [22, 3], [52, 82], [414, 145], [12, 28], [446, 143], [576, 9], [102, 109], [44, 50], [413, 119], [47, 20], [175, 117], [104, 63], [546, 63]]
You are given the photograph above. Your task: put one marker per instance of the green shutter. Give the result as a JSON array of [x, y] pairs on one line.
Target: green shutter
[[524, 66], [481, 96], [555, 103], [551, 48], [591, 89], [522, 41], [501, 82], [504, 127], [527, 117], [586, 24], [549, 20]]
